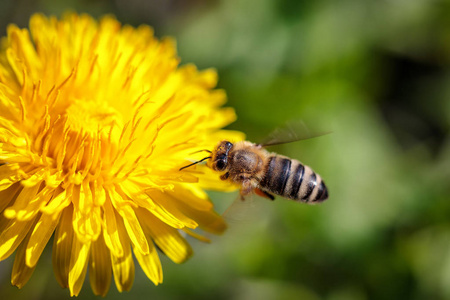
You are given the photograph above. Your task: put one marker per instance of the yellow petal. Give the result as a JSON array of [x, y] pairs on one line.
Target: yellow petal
[[7, 125], [131, 222], [169, 204], [87, 218], [143, 200], [78, 265], [87, 226], [14, 63], [100, 267], [53, 180], [12, 233], [62, 247], [194, 196], [123, 267], [111, 233], [85, 199], [40, 235], [222, 117], [19, 206], [61, 199], [208, 220], [134, 229], [21, 273], [150, 264], [229, 135], [21, 43], [34, 179], [206, 78], [35, 203], [100, 195], [167, 238], [7, 195], [199, 237]]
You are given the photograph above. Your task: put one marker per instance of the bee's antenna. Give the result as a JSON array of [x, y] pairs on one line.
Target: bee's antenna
[[194, 163], [206, 150]]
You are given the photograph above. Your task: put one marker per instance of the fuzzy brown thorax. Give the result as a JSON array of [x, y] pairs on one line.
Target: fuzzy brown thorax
[[242, 159]]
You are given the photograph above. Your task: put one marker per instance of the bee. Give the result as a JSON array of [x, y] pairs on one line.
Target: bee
[[264, 173]]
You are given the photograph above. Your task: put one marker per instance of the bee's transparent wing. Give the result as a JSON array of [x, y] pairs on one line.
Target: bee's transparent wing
[[292, 131], [240, 211]]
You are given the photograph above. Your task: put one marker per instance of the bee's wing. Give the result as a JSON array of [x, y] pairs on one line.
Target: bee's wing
[[240, 211], [293, 131], [247, 210]]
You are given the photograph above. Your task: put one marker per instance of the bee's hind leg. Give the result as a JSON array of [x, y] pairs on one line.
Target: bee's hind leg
[[264, 194]]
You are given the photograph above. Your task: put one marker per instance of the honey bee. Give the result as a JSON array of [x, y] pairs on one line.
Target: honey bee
[[257, 170]]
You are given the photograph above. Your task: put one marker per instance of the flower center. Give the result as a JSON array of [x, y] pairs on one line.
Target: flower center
[[89, 116], [81, 141]]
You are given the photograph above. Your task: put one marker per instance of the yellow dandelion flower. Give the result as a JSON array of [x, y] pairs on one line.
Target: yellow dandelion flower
[[95, 121]]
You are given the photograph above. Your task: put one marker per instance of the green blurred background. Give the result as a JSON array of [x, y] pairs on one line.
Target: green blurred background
[[376, 74]]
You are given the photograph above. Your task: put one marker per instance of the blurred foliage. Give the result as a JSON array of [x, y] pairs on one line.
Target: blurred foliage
[[376, 74]]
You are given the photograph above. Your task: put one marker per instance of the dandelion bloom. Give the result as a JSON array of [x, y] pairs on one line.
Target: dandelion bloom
[[95, 121]]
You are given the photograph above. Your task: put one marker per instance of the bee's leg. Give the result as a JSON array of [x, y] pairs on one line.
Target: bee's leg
[[244, 192], [225, 176], [264, 194], [246, 188]]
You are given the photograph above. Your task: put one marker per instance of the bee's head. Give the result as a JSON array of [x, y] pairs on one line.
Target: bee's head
[[219, 160]]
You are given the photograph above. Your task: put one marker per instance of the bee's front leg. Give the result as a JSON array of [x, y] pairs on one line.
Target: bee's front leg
[[247, 187], [225, 176]]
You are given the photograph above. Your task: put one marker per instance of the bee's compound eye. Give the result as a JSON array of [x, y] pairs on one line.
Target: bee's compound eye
[[220, 165], [228, 145]]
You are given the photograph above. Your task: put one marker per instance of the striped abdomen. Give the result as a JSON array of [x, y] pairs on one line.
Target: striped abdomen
[[291, 179]]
